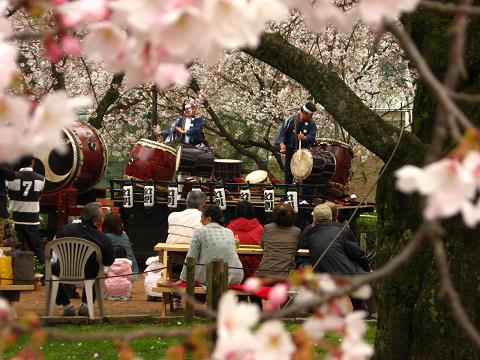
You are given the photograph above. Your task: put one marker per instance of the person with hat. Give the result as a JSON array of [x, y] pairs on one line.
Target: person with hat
[[330, 249], [297, 131], [187, 129]]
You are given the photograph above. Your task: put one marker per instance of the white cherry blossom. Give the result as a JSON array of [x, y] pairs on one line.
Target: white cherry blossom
[[273, 342]]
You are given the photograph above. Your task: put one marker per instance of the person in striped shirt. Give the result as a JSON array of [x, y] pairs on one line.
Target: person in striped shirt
[[24, 193]]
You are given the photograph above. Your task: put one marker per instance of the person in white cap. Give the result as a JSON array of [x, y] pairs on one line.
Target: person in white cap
[[297, 129]]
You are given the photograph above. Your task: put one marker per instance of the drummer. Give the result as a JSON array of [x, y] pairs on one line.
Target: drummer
[[187, 130], [297, 129]]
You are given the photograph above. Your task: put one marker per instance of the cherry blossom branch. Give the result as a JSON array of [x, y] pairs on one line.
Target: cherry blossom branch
[[438, 90], [106, 335], [449, 8], [89, 74], [448, 292], [464, 97]]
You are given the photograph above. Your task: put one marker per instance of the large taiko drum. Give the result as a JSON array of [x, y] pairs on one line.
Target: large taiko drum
[[343, 153], [81, 166], [313, 167], [195, 160], [227, 169], [151, 160]]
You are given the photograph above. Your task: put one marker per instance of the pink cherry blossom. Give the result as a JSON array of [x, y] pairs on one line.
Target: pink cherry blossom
[[407, 178], [277, 297], [78, 12], [373, 12], [71, 45], [8, 54], [53, 51], [252, 284], [273, 342], [108, 42], [315, 327], [234, 317]]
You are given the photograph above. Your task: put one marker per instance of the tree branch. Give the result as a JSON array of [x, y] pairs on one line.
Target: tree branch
[[107, 100], [449, 8], [338, 99]]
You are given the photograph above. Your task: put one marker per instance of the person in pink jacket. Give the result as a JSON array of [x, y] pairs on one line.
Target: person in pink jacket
[[153, 274], [118, 284]]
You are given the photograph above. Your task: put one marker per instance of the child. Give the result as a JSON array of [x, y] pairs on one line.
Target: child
[[119, 287], [153, 274]]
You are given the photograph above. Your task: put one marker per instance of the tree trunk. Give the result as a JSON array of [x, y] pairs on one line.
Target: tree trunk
[[413, 322]]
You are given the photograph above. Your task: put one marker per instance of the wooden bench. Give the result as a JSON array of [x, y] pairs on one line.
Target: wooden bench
[[12, 292], [167, 291]]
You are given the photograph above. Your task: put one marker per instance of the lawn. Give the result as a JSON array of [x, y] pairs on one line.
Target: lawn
[[147, 348]]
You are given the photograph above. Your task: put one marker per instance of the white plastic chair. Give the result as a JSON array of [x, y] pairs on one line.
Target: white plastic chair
[[73, 253]]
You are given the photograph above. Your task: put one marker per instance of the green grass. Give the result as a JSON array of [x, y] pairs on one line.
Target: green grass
[[147, 348]]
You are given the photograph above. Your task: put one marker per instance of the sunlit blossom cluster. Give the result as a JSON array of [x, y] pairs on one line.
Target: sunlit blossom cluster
[[236, 340], [450, 187]]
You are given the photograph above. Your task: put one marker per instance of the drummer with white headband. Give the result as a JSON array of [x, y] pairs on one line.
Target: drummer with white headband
[[297, 129], [187, 130]]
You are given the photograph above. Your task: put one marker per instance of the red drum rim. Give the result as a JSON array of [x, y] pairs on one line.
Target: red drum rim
[[328, 141], [156, 145], [227, 161]]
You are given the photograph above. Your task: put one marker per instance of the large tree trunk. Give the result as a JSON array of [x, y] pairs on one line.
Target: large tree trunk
[[413, 322]]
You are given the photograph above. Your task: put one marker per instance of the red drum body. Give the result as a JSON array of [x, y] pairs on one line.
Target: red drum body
[[323, 167], [226, 169], [195, 161], [343, 156], [151, 160], [81, 165]]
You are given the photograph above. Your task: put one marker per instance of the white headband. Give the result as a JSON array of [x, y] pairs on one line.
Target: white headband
[[304, 108], [189, 105]]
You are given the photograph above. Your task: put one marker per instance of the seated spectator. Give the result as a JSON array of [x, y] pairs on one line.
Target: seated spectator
[[343, 256], [118, 284], [92, 220], [334, 252], [113, 228], [248, 231], [214, 241], [280, 243], [348, 232], [152, 275], [182, 224]]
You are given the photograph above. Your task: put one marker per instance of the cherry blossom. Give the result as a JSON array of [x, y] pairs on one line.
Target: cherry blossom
[[78, 12], [273, 342], [234, 317], [252, 284], [373, 12], [277, 296], [449, 185]]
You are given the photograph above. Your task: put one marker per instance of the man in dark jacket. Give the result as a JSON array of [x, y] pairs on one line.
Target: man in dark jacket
[[92, 219], [343, 255]]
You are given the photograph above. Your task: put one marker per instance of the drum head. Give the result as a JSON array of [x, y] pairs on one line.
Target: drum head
[[333, 142], [302, 164], [257, 177]]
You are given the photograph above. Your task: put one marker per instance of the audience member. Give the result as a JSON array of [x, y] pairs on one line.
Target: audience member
[[25, 192], [182, 224], [348, 233], [213, 241], [280, 243], [341, 256], [113, 228], [92, 220], [152, 275], [248, 230], [118, 284]]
